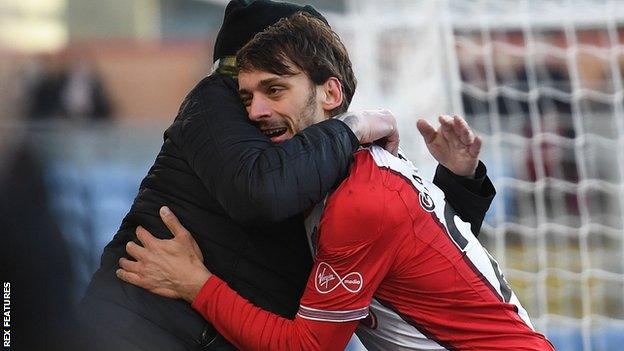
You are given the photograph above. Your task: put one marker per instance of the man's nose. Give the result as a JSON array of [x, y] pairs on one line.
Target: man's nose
[[258, 109]]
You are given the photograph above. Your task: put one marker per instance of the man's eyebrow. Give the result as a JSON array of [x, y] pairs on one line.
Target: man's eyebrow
[[268, 81], [263, 83]]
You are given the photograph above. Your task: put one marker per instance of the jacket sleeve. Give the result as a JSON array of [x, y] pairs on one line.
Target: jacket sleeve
[[254, 180], [470, 198], [352, 261]]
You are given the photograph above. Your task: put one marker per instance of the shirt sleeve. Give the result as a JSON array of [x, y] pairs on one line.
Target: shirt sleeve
[[351, 262], [249, 327], [471, 198], [353, 252], [254, 180]]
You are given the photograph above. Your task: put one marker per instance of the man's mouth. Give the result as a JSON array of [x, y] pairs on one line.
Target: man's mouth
[[274, 132]]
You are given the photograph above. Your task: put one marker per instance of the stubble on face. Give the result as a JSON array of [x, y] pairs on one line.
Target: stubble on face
[[287, 103], [308, 113], [295, 120]]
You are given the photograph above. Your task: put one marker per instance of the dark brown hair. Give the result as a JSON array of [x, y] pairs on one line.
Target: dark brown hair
[[307, 43]]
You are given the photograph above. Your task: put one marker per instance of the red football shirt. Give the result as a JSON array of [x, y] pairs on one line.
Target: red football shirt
[[391, 249]]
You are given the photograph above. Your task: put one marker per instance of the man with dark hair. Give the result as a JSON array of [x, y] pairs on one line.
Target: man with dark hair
[[279, 49], [389, 247], [242, 195]]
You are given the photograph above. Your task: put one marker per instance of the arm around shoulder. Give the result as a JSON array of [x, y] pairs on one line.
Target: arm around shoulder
[[255, 180]]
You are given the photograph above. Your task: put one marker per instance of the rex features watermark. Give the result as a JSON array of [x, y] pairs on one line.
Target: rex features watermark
[[6, 315]]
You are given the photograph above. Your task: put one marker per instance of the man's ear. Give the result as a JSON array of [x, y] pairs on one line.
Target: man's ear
[[332, 94]]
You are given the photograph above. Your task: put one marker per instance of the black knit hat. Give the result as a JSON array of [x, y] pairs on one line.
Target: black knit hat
[[245, 18]]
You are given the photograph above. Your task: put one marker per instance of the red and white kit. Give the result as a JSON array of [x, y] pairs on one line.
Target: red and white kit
[[394, 258]]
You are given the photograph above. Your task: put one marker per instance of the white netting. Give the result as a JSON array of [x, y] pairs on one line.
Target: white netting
[[542, 83]]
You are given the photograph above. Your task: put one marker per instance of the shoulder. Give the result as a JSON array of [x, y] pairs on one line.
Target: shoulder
[[211, 103], [363, 188], [213, 92], [356, 209], [215, 85]]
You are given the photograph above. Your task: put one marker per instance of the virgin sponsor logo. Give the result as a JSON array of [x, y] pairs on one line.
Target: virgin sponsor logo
[[327, 280]]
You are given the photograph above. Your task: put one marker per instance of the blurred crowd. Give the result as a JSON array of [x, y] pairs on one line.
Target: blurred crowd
[[79, 127], [65, 85]]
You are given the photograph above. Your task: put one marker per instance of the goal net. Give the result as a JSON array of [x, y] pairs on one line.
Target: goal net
[[541, 82]]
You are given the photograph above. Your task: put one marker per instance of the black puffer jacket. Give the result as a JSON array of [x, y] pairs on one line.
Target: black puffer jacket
[[241, 196]]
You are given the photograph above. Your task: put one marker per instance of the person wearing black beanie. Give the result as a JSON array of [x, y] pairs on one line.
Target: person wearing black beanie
[[242, 197], [243, 19]]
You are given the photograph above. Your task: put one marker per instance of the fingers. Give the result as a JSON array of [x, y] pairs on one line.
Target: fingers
[[392, 145], [447, 131], [130, 266], [373, 125], [475, 148], [380, 126], [462, 130], [392, 140], [457, 131], [137, 252], [145, 237], [426, 130], [172, 222], [130, 277], [446, 122]]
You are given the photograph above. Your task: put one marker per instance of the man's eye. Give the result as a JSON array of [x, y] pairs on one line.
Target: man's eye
[[275, 90], [246, 101]]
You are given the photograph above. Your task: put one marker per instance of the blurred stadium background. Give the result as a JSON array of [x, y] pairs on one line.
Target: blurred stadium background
[[87, 87]]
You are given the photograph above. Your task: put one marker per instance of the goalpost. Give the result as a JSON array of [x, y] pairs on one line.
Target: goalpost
[[541, 82]]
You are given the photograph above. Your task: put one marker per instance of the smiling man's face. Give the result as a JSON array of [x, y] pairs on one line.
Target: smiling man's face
[[281, 105]]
